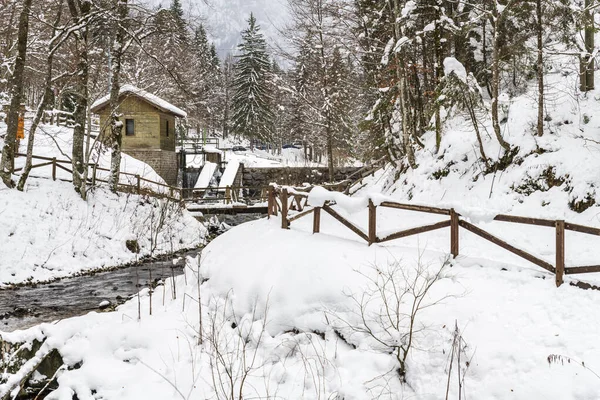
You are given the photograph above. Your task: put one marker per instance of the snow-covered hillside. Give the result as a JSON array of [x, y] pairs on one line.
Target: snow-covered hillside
[[556, 175], [49, 232]]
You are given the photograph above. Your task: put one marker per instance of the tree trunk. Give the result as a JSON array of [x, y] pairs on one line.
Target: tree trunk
[[588, 64], [80, 12], [496, 82], [540, 69], [116, 126], [438, 76], [16, 94], [43, 103], [330, 154]]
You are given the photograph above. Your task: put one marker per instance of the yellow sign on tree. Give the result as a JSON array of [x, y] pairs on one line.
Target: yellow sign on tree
[[21, 128]]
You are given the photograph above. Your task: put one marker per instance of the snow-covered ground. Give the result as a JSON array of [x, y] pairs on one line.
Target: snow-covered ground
[[49, 232], [287, 303]]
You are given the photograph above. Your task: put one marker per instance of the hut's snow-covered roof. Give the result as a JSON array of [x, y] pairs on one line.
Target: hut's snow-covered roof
[[156, 101]]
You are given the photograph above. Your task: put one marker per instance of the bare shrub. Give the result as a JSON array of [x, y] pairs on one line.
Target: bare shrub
[[458, 354], [233, 344], [386, 313]]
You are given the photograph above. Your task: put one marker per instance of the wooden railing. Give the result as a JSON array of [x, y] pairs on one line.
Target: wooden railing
[[357, 177], [138, 184], [197, 144], [283, 200]]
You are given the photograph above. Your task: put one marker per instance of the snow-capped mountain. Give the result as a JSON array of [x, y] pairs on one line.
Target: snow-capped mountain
[[225, 19]]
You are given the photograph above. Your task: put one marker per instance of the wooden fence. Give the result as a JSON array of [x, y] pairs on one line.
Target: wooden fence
[[138, 184], [285, 199], [367, 170]]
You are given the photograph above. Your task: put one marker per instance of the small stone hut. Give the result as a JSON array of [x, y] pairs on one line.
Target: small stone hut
[[148, 128]]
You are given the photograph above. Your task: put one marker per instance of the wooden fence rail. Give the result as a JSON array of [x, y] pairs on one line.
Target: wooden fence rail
[[169, 192], [284, 199], [141, 185]]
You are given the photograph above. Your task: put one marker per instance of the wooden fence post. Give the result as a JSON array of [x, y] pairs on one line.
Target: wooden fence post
[[138, 184], [372, 222], [94, 174], [270, 201], [274, 203], [227, 195], [454, 233], [284, 209], [54, 169], [317, 220], [560, 252]]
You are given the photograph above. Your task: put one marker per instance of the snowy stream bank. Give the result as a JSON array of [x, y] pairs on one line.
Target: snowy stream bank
[[26, 306]]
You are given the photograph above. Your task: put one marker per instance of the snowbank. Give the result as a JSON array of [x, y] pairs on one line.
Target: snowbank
[[49, 232]]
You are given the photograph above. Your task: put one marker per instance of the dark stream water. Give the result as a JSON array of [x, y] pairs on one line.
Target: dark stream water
[[28, 306]]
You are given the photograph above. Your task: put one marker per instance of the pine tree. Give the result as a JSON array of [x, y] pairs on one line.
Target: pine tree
[[252, 115], [177, 14]]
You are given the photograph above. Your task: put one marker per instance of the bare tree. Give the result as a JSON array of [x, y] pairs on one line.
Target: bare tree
[[81, 12], [16, 96], [233, 346], [55, 43], [497, 16]]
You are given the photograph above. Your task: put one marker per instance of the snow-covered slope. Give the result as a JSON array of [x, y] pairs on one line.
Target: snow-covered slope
[[49, 232], [287, 304], [555, 176], [57, 141]]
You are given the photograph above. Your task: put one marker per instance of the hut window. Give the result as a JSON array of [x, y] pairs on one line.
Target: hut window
[[129, 127], [167, 121]]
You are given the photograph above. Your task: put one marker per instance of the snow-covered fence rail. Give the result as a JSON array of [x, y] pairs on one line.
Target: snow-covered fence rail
[[54, 163], [283, 200], [129, 183]]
